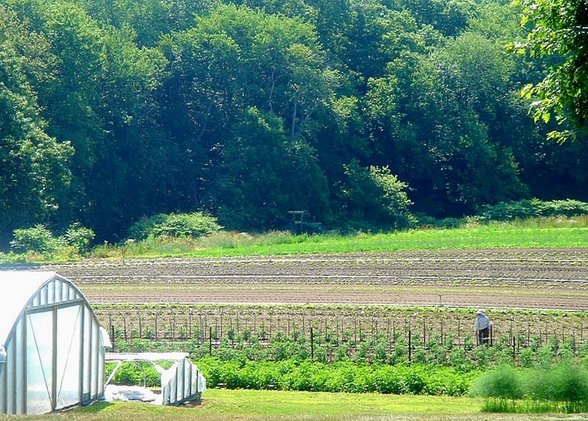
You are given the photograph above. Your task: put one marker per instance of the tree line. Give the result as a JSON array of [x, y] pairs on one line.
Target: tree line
[[363, 112]]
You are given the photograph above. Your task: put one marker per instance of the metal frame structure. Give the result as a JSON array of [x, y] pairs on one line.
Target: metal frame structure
[[53, 343], [180, 383]]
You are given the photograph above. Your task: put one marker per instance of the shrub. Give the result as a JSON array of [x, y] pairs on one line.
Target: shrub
[[503, 382], [193, 225], [569, 386], [79, 237], [508, 211], [373, 198], [38, 239], [523, 209], [559, 388], [143, 228]]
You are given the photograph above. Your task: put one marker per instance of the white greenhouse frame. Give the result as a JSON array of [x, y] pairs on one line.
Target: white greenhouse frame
[[54, 346], [180, 383]]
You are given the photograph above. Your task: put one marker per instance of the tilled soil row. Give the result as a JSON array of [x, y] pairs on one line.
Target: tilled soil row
[[529, 278]]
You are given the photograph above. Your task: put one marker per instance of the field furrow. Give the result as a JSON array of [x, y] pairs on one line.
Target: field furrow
[[498, 278]]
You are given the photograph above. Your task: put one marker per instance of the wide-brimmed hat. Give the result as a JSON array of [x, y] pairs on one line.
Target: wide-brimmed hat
[[480, 311]]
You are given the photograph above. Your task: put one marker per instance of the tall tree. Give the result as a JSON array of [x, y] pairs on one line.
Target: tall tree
[[148, 19], [558, 29], [266, 173], [440, 140], [238, 59], [100, 100], [33, 165]]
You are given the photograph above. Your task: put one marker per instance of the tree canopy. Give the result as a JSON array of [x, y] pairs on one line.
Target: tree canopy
[[358, 111], [559, 31]]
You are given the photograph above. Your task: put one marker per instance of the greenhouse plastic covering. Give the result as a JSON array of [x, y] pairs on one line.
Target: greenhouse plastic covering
[[53, 344]]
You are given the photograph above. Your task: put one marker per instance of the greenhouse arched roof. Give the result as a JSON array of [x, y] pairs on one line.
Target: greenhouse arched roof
[[53, 350], [18, 287]]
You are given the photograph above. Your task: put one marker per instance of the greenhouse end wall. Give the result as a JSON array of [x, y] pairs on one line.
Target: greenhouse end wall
[[54, 349]]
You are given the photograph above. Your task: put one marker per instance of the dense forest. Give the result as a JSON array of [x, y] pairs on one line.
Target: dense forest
[[358, 111]]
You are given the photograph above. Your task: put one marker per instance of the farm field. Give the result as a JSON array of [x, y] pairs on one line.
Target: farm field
[[499, 278], [346, 300], [529, 293]]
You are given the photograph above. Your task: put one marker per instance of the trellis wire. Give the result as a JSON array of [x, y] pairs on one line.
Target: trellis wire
[[208, 328]]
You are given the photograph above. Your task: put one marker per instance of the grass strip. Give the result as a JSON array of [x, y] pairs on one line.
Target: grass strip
[[480, 237], [224, 404]]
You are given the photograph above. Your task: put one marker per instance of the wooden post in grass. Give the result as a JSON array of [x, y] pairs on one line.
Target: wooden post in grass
[[221, 323], [424, 341], [442, 337], [173, 327]]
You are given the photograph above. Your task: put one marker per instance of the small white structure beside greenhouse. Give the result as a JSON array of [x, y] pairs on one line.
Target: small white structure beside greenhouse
[[181, 382], [53, 348]]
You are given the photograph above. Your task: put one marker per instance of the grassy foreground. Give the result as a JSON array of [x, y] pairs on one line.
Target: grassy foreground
[[222, 404]]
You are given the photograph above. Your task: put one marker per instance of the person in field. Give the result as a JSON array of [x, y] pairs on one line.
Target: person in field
[[482, 327]]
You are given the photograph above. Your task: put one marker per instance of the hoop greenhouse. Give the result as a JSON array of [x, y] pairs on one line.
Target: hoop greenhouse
[[51, 345]]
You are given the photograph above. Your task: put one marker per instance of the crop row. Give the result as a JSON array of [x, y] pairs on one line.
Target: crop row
[[356, 324], [553, 264]]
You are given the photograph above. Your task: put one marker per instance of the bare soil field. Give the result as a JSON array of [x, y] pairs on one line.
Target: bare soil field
[[499, 278]]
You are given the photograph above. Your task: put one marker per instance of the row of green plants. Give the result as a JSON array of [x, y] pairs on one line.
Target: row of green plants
[[462, 355], [547, 386], [344, 376], [307, 375], [169, 234], [340, 322], [233, 310]]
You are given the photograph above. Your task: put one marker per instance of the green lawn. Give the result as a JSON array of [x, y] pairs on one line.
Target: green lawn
[[222, 404], [476, 237], [463, 238]]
